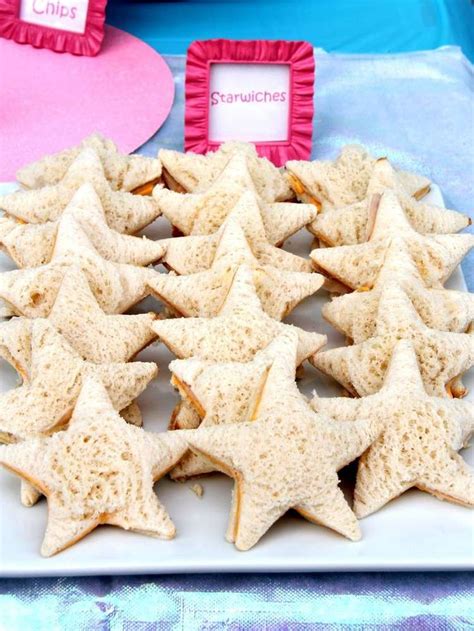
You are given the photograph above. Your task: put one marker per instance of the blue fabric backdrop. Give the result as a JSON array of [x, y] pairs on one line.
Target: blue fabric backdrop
[[354, 26], [278, 602]]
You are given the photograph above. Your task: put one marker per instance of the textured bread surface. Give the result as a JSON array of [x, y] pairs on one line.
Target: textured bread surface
[[187, 255], [100, 470], [30, 245], [194, 172], [361, 368], [95, 335], [277, 408], [29, 495], [117, 286], [436, 256], [282, 461], [44, 403], [418, 444], [124, 172], [226, 393], [124, 211], [353, 223], [344, 181], [355, 314], [204, 213], [350, 225], [241, 324], [203, 293]]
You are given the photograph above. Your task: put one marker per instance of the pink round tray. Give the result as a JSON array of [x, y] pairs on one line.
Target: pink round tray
[[49, 101]]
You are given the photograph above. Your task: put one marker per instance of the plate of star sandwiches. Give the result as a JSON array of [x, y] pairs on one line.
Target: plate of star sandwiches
[[211, 364]]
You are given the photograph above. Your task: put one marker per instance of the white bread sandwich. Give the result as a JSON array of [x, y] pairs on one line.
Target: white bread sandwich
[[204, 213], [99, 471], [361, 368], [419, 442], [30, 244], [123, 172], [190, 172], [124, 212], [331, 184], [287, 457], [436, 256]]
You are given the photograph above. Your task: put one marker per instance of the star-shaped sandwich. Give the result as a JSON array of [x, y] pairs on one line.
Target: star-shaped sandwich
[[204, 213], [188, 255], [331, 184], [99, 471], [190, 172], [30, 244], [31, 292], [353, 224], [361, 368], [124, 212], [436, 256], [44, 403], [287, 457], [419, 443], [97, 337], [229, 392], [355, 314], [202, 294], [240, 329], [123, 172]]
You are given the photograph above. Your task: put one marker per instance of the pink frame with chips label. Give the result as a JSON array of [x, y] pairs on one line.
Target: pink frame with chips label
[[59, 39], [300, 60]]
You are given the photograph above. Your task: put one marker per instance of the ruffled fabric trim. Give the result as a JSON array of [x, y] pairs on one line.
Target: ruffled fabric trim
[[88, 43], [298, 54]]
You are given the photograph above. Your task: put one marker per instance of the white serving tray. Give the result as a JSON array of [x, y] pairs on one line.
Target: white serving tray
[[413, 532]]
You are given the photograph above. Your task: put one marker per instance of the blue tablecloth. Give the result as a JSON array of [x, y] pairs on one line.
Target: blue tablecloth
[[354, 26], [277, 602], [417, 109]]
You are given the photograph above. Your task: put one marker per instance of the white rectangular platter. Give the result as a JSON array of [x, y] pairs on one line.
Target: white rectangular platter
[[414, 532]]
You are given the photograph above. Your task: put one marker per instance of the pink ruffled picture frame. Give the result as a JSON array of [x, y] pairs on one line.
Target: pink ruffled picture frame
[[299, 58], [30, 30]]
